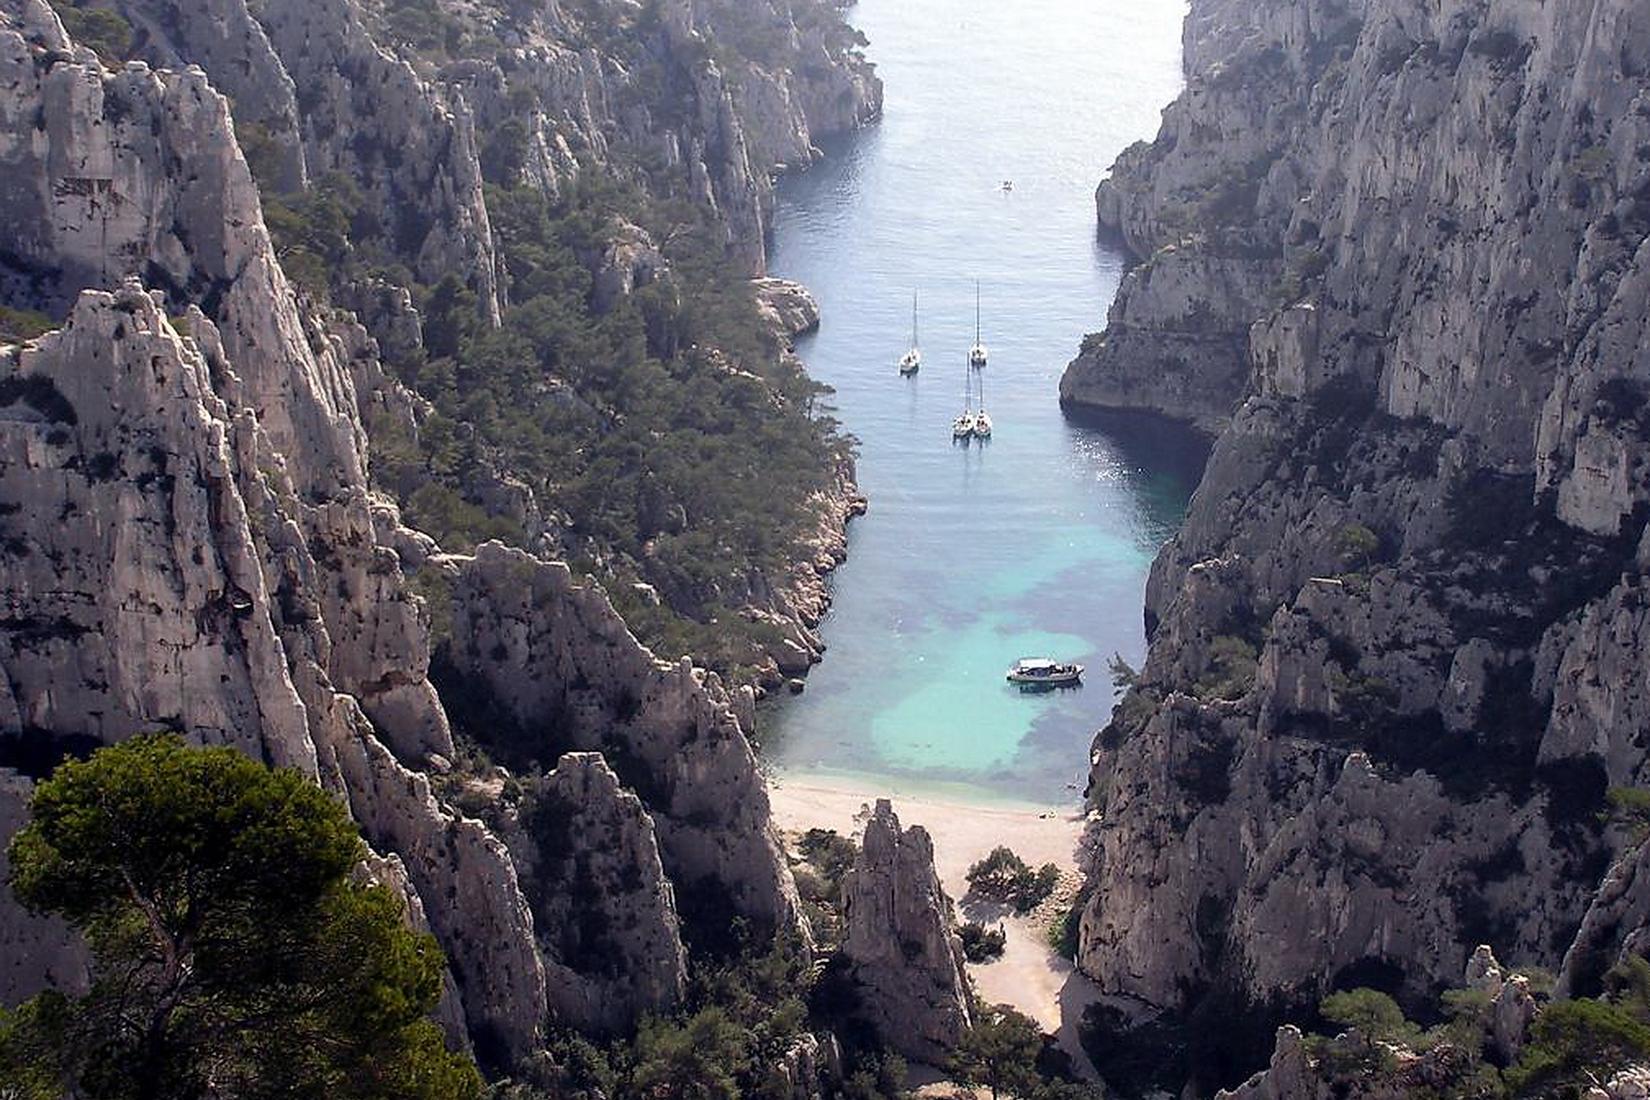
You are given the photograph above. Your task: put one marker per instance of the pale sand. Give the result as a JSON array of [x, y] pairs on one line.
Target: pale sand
[[1030, 975]]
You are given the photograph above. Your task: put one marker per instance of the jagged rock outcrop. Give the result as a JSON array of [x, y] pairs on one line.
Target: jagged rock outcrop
[[556, 668], [603, 910], [1632, 1083], [155, 579], [787, 306], [1351, 1065], [190, 543], [901, 942], [1396, 650], [401, 119], [1616, 925]]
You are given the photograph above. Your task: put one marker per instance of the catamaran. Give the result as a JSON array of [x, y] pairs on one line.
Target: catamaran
[[911, 362], [977, 354]]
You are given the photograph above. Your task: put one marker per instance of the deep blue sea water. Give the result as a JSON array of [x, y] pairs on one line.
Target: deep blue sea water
[[1038, 542]]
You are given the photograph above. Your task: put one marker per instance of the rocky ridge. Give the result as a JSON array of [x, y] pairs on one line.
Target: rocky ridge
[[415, 117], [1393, 252], [901, 941], [189, 542]]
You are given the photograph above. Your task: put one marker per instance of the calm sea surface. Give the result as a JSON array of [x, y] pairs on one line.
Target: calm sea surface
[[1038, 542]]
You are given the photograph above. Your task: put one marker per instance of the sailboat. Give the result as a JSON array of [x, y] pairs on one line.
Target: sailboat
[[911, 362], [982, 420], [966, 425], [977, 354]]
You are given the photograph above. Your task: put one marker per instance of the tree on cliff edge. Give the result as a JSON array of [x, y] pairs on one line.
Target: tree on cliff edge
[[233, 957]]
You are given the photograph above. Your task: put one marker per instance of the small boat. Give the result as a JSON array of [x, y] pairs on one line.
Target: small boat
[[1008, 185], [977, 354], [967, 424], [982, 419], [911, 362], [1045, 672]]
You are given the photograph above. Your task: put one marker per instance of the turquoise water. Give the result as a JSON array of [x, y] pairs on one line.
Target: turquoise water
[[1038, 542]]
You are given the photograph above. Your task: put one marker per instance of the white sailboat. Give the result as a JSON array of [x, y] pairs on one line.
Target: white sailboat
[[977, 354], [982, 419], [966, 424], [911, 362]]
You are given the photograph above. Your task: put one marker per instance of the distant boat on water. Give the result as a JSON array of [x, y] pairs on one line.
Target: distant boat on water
[[911, 362], [977, 355]]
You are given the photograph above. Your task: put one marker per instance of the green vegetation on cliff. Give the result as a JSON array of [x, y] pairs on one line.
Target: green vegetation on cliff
[[661, 436], [234, 955]]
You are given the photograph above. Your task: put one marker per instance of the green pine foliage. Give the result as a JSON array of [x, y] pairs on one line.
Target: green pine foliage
[[670, 430], [744, 1014], [96, 25], [1573, 1044], [980, 943], [233, 956], [1005, 877]]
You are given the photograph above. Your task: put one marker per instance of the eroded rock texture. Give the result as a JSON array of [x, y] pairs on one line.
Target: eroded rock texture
[[901, 941], [1397, 251], [188, 540], [554, 667], [604, 912]]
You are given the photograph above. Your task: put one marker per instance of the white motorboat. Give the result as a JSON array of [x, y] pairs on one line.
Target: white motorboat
[[1045, 672]]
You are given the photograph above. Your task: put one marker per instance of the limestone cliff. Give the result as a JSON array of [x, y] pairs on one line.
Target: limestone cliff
[[188, 541], [603, 910], [385, 124], [551, 667], [1396, 651], [901, 942]]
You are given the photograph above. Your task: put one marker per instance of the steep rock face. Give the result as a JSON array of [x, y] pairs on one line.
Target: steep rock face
[[698, 101], [369, 115], [901, 941], [155, 579], [192, 548], [470, 889], [39, 952], [549, 657], [1391, 667], [188, 541], [603, 910], [402, 124], [134, 589], [138, 173], [223, 38]]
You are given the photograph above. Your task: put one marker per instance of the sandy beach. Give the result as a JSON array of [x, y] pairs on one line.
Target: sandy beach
[[1029, 976]]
